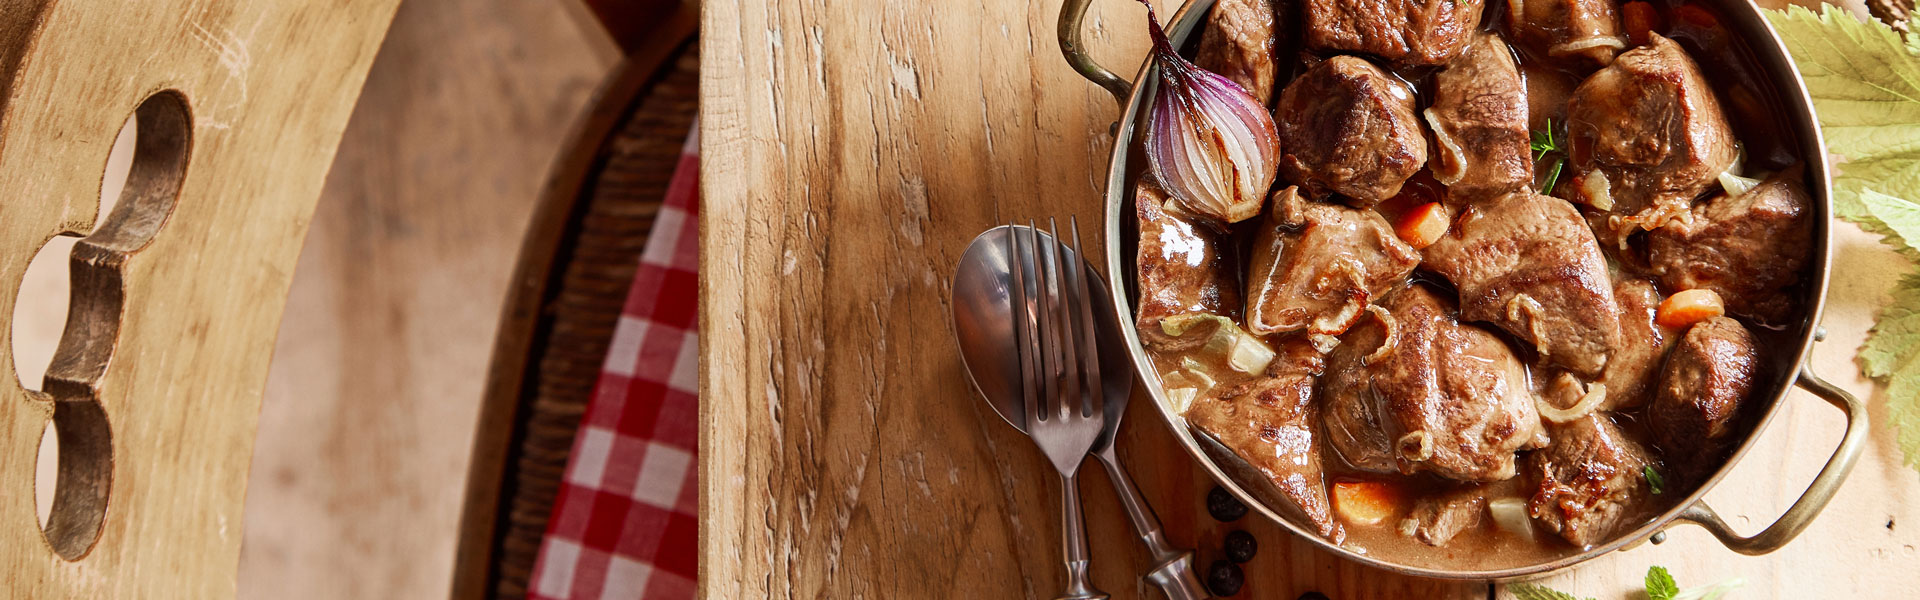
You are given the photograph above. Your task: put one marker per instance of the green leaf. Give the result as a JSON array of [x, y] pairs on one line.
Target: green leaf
[[1710, 592], [1655, 482], [1864, 79], [1896, 335], [1903, 409], [1543, 141], [1899, 215], [1865, 82], [1528, 591], [1660, 585], [1553, 176]]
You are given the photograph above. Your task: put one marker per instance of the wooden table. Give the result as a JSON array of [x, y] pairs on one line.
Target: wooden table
[[852, 149]]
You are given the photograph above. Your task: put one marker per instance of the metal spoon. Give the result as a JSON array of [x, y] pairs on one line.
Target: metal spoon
[[983, 326]]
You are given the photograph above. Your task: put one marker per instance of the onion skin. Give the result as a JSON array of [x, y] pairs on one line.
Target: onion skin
[[1212, 145]]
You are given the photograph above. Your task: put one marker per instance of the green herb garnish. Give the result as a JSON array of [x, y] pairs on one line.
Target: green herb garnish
[[1543, 141], [1543, 144], [1528, 591], [1654, 480], [1660, 585]]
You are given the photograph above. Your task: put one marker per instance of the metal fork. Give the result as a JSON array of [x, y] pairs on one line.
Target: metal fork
[[1060, 375]]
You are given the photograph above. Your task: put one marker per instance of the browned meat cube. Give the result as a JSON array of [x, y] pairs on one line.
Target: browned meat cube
[[1646, 135], [1238, 42], [1419, 391], [1643, 345], [1406, 32], [1528, 263], [1437, 519], [1316, 266], [1184, 269], [1347, 127], [1271, 423], [1479, 122], [1586, 30], [1701, 389], [1589, 480], [1748, 248]]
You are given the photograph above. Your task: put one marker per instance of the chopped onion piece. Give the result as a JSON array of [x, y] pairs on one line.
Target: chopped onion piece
[[1597, 190], [1181, 399], [1415, 446], [1587, 43], [1388, 342], [1250, 355], [1511, 515], [1450, 165], [1178, 325], [1736, 185], [1198, 372], [1589, 401]]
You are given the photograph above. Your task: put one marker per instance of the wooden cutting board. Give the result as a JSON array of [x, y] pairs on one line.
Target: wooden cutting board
[[852, 149]]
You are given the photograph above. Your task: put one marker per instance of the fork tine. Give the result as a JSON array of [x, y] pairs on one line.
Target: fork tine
[[1049, 323], [1090, 359], [1071, 396], [1025, 343]]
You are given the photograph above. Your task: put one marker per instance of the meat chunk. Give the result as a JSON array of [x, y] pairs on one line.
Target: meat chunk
[[1583, 30], [1347, 127], [1437, 519], [1646, 135], [1271, 423], [1528, 263], [1316, 266], [1643, 345], [1701, 389], [1184, 269], [1405, 32], [1417, 390], [1589, 481], [1748, 248], [1479, 122], [1238, 43]]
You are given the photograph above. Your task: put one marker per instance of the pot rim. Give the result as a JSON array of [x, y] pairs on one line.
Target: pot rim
[[1744, 20]]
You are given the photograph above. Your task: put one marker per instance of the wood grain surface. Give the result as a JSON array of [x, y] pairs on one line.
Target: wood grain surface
[[156, 380], [849, 154], [366, 431]]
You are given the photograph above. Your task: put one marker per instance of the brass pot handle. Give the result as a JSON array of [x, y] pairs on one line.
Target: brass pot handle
[[1072, 12], [1801, 514]]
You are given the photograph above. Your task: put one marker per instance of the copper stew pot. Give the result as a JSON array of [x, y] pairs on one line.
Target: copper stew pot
[[1784, 370]]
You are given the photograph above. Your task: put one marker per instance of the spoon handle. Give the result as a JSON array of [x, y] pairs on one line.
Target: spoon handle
[[1074, 537], [1173, 567]]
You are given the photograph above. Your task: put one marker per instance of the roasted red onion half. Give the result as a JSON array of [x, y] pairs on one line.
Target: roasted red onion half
[[1210, 143]]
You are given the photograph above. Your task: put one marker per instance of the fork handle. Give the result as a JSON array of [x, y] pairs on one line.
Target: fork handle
[[1074, 538], [1173, 567]]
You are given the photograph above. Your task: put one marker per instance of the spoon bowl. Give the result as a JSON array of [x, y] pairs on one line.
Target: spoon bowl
[[983, 325]]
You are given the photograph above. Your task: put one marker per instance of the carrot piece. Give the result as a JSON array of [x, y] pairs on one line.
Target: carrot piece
[[1696, 16], [1365, 502], [1689, 307], [1641, 19], [1424, 225]]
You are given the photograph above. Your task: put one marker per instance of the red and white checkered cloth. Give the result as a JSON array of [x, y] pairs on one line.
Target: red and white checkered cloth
[[625, 522]]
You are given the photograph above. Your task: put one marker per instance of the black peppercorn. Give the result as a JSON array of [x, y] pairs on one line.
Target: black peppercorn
[[1241, 546], [1223, 506], [1225, 578]]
